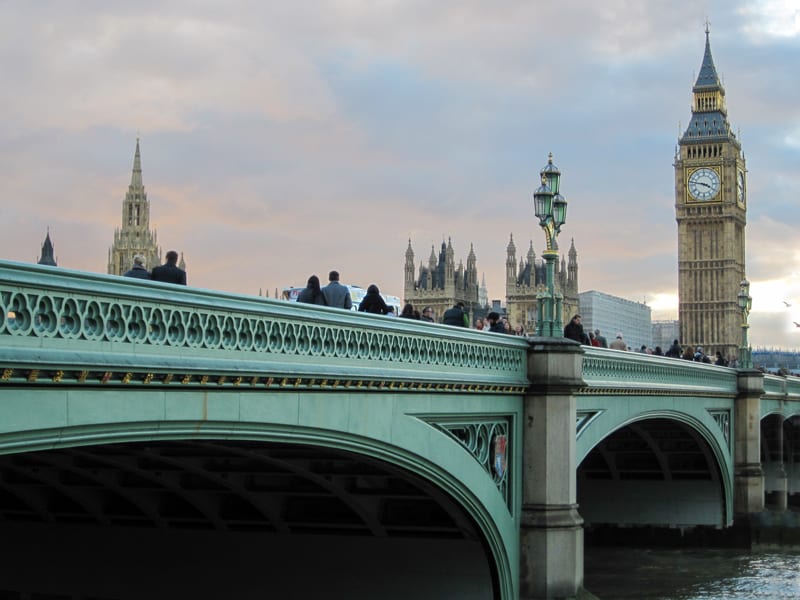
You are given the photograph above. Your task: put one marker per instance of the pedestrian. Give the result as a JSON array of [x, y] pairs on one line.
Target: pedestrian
[[688, 354], [700, 356], [311, 294], [674, 351], [574, 330], [336, 294], [495, 324], [138, 271], [593, 340], [618, 343], [427, 314], [169, 272], [456, 316], [373, 302], [721, 361], [408, 312], [603, 341]]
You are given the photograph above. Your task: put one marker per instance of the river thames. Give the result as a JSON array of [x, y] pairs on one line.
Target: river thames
[[692, 574]]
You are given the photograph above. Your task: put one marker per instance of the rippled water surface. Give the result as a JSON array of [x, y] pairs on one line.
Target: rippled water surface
[[692, 574]]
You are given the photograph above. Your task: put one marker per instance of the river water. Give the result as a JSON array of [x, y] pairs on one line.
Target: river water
[[692, 574]]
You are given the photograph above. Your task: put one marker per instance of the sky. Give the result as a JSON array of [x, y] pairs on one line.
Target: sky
[[283, 139]]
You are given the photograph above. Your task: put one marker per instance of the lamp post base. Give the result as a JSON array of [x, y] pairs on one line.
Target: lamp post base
[[549, 324]]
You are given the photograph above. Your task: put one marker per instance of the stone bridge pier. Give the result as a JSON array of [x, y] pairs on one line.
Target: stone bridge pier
[[748, 474], [551, 530]]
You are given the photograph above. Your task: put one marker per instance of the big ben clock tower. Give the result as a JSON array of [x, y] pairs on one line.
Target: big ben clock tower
[[711, 210]]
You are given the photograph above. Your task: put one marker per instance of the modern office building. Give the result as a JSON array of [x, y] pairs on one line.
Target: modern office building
[[665, 332], [612, 315]]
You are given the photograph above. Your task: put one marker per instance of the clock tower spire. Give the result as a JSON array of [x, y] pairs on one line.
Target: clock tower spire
[[711, 211]]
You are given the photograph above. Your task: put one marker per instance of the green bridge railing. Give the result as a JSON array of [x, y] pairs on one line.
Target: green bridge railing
[[63, 326], [621, 373]]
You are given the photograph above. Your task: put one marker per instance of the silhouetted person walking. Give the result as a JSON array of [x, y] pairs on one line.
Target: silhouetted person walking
[[456, 316], [169, 272], [312, 294]]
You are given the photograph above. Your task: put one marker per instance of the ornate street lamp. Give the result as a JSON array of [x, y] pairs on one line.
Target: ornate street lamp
[[745, 303], [550, 208]]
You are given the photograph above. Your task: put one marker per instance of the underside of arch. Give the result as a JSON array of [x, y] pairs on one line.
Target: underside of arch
[[264, 495], [657, 471]]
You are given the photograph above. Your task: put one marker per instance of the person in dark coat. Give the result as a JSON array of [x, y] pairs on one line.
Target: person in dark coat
[[169, 272], [675, 350], [574, 330], [312, 294], [408, 312], [138, 271], [601, 339], [456, 316], [495, 325], [373, 302]]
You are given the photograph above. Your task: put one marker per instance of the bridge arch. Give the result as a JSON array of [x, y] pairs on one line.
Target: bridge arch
[[780, 455], [655, 467], [418, 453]]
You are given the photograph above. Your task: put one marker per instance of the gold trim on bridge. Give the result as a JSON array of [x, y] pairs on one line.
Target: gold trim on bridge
[[70, 377], [649, 391]]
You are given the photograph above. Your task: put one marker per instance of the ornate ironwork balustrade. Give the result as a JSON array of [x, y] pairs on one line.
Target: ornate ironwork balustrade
[[62, 326]]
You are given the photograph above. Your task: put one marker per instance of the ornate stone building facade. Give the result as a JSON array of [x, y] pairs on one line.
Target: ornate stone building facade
[[135, 236], [711, 211], [440, 283], [526, 278]]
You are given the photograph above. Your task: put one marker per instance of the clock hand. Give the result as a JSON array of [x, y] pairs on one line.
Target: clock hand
[[703, 183]]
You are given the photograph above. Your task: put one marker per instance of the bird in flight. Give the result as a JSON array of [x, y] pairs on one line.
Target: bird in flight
[[796, 324], [788, 304]]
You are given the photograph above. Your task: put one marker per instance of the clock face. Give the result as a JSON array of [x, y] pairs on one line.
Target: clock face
[[703, 184], [740, 187]]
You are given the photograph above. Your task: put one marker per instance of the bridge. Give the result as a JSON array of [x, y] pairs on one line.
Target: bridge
[[160, 441]]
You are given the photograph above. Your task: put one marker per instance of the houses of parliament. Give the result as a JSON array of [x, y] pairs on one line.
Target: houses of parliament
[[440, 284]]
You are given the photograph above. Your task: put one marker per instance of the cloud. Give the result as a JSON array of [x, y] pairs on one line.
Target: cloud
[[283, 139], [772, 18]]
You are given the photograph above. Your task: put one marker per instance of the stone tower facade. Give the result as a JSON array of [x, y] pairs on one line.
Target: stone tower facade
[[135, 236], [711, 211], [526, 278], [440, 283], [47, 257]]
